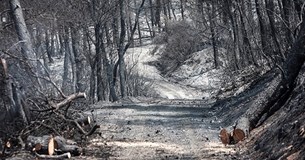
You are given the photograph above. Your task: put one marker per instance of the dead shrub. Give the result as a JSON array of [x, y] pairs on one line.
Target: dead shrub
[[180, 40]]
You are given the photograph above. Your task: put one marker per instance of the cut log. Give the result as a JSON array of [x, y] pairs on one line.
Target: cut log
[[238, 135], [224, 136], [66, 145], [243, 124], [38, 144], [51, 146], [60, 145], [37, 147]]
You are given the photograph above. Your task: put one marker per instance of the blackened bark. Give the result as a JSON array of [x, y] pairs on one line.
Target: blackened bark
[[99, 81], [212, 19], [182, 8], [107, 33], [246, 42], [139, 34], [129, 23], [164, 8], [298, 7], [91, 57], [152, 18], [11, 99], [168, 5], [121, 50], [61, 44], [234, 33], [8, 108], [270, 14], [65, 77], [26, 44], [158, 14], [263, 34], [287, 24], [48, 47], [53, 48], [79, 61], [108, 68]]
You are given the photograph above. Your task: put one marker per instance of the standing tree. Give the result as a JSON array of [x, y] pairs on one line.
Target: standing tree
[[11, 97], [27, 51]]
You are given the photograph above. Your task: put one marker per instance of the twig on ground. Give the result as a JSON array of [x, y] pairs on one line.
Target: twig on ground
[[65, 155]]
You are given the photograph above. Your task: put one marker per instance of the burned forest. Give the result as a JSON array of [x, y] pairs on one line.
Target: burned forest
[[152, 79]]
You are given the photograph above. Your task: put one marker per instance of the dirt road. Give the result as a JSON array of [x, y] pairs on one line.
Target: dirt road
[[159, 129]]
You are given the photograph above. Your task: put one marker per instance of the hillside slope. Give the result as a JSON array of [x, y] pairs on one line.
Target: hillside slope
[[282, 135]]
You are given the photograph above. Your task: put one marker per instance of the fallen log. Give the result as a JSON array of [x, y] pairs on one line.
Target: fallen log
[[51, 145], [69, 99], [60, 145], [224, 136], [61, 156], [238, 135], [38, 144]]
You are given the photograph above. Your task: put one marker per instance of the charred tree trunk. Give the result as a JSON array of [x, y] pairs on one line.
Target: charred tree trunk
[[277, 48], [25, 41], [28, 56], [234, 34], [121, 50], [139, 34], [182, 8], [65, 76], [61, 43], [158, 15], [53, 45], [108, 68], [152, 18], [98, 60], [263, 33], [10, 98], [6, 97], [168, 6], [287, 23], [212, 19], [247, 48], [122, 47], [78, 60], [48, 47]]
